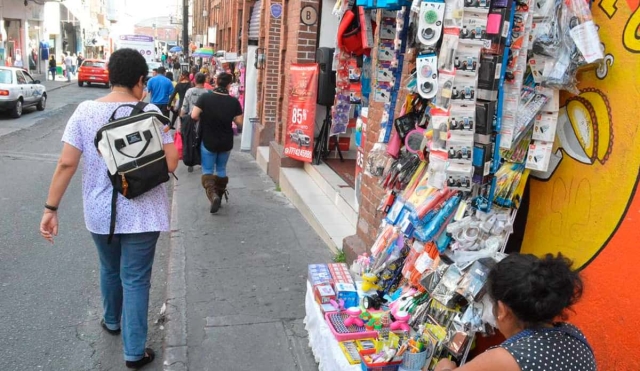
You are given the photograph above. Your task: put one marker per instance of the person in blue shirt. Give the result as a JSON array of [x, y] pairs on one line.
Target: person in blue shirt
[[160, 88]]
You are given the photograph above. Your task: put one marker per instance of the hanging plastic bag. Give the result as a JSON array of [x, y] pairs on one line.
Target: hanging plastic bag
[[177, 141]]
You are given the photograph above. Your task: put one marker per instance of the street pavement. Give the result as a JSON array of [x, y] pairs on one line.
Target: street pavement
[[234, 282]]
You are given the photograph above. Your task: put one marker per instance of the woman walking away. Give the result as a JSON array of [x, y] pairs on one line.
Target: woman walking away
[[528, 294], [217, 111], [53, 67], [126, 262], [180, 90], [190, 98]]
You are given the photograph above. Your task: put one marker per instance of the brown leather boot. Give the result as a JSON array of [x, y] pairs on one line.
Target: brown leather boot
[[220, 190], [209, 185]]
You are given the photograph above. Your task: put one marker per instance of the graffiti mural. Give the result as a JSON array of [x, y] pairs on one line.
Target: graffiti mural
[[584, 197]]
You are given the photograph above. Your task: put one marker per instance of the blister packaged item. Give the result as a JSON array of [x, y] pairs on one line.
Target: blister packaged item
[[448, 49], [431, 277], [546, 34], [467, 60], [446, 288], [430, 22], [377, 160], [518, 33], [460, 150], [583, 31], [472, 285], [436, 170], [462, 120], [474, 27], [464, 89], [453, 14], [478, 4], [427, 69], [539, 155], [459, 176], [439, 124], [445, 91], [544, 126]]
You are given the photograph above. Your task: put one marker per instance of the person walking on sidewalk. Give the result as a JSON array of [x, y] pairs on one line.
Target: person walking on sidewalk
[[53, 68], [126, 262], [190, 98], [179, 92], [68, 66], [217, 111], [160, 88]]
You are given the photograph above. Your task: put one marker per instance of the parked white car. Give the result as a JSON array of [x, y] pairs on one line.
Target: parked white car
[[18, 90]]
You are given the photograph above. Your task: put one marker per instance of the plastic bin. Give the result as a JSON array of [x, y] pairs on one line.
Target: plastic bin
[[414, 361], [391, 366]]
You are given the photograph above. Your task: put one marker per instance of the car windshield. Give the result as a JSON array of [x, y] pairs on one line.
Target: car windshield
[[5, 77], [93, 64]]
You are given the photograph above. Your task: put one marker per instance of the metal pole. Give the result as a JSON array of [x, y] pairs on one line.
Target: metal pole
[[185, 29]]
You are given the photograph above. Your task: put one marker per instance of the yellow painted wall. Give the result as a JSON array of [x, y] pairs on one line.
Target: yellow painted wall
[[589, 207]]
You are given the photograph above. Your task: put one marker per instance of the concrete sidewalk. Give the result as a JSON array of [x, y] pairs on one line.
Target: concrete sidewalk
[[58, 83], [237, 279]]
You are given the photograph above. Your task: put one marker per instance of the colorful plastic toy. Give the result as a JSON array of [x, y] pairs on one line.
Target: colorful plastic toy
[[369, 282], [354, 317], [401, 323]]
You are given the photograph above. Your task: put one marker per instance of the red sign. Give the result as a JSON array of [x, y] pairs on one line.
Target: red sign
[[301, 113]]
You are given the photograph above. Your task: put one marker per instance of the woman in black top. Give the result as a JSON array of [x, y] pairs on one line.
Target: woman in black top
[[180, 89], [529, 294], [52, 67], [217, 111]]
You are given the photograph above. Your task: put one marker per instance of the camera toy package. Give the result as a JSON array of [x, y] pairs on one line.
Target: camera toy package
[[427, 75], [464, 89], [462, 120], [459, 176], [467, 60], [430, 22], [474, 27], [460, 151]]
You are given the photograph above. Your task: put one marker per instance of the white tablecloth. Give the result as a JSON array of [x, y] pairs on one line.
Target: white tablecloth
[[321, 340]]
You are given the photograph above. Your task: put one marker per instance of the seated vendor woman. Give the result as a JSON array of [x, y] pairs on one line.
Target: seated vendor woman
[[529, 294]]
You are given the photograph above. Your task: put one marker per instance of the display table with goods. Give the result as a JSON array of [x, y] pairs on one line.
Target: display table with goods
[[477, 114]]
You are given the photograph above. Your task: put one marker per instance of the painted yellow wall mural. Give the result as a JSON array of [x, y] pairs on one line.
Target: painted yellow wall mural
[[577, 206]]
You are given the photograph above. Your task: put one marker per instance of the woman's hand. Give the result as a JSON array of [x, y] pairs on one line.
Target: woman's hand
[[49, 225], [445, 364]]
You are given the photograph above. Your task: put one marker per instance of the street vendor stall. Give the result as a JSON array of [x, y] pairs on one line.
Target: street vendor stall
[[471, 99]]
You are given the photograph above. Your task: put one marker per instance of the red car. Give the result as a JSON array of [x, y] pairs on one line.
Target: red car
[[93, 71]]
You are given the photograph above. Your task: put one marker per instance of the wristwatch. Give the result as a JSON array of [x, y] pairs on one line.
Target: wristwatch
[[49, 207]]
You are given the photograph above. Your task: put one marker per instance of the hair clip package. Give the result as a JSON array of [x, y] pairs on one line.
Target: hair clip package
[[445, 90], [446, 57]]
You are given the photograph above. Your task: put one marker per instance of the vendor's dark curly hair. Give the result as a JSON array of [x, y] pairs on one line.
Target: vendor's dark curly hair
[[126, 66], [224, 79], [538, 290]]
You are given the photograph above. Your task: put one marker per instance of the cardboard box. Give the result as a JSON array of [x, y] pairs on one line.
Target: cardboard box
[[484, 117], [318, 274], [340, 273], [324, 294], [348, 293]]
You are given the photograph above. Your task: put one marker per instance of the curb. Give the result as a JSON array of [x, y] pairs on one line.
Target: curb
[[175, 339], [59, 87]]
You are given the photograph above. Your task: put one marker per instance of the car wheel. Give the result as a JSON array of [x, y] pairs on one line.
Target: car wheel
[[88, 84], [17, 110], [42, 104], [80, 83]]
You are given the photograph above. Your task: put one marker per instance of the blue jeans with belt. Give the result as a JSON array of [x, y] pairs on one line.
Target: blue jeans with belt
[[214, 162], [125, 280]]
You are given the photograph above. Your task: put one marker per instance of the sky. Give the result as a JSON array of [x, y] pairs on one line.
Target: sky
[[134, 11]]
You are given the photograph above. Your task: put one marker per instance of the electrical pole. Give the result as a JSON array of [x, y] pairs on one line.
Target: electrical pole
[[185, 29]]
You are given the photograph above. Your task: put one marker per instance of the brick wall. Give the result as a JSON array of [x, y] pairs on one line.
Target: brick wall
[[300, 44]]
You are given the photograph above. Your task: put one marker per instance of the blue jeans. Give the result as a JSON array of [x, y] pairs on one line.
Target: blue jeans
[[214, 162], [125, 280]]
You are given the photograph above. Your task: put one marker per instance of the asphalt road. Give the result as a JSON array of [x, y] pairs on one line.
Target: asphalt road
[[49, 295]]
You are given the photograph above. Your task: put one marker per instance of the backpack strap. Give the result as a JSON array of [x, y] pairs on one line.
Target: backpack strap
[[138, 108], [112, 226]]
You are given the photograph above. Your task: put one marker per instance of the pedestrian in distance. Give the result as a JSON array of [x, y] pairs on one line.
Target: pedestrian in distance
[[53, 69], [74, 64], [179, 92], [126, 262], [190, 98], [528, 295], [217, 112], [176, 69], [160, 88], [68, 66]]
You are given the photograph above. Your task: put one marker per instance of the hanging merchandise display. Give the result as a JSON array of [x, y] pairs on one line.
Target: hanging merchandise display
[[477, 111]]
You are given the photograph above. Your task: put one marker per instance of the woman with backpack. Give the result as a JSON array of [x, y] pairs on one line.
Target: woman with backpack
[[126, 256]]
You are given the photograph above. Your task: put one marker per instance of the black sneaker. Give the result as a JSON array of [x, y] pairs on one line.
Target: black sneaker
[[149, 355], [110, 331]]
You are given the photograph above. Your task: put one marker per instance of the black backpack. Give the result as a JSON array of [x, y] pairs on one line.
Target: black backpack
[[132, 148]]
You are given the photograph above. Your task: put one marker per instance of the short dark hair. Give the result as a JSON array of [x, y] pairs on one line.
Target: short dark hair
[[162, 70], [224, 79], [126, 67], [200, 78], [184, 74], [169, 75], [537, 290]]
